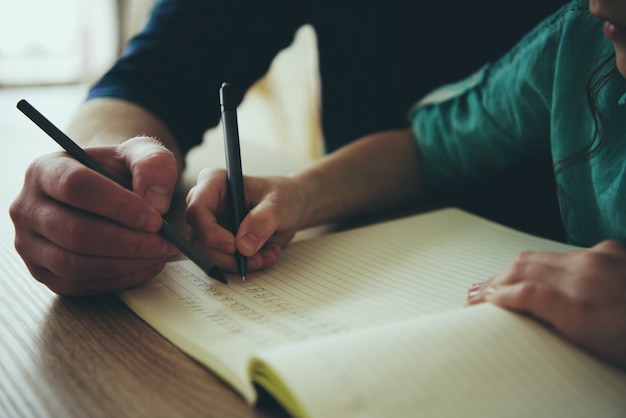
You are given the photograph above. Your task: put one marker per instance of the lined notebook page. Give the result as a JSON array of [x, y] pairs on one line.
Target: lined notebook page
[[479, 361], [329, 285]]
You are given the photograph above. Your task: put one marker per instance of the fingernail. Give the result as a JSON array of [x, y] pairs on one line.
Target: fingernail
[[158, 197], [249, 242], [475, 286], [473, 296]]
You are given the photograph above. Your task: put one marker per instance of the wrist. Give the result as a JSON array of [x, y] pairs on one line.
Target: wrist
[[313, 196]]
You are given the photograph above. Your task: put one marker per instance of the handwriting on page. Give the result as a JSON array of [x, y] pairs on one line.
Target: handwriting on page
[[234, 307]]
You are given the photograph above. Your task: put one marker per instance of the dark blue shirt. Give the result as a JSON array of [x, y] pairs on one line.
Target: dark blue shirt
[[376, 57]]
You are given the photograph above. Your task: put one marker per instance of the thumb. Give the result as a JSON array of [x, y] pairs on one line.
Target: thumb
[[153, 169], [255, 229]]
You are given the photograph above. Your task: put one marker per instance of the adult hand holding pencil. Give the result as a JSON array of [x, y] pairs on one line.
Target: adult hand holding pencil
[[78, 232]]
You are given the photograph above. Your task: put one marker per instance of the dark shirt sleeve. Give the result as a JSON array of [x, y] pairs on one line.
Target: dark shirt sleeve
[[174, 67], [376, 58]]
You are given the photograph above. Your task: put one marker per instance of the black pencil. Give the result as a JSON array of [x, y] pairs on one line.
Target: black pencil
[[233, 167], [73, 149]]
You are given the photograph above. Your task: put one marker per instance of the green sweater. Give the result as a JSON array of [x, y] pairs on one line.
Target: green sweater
[[532, 103]]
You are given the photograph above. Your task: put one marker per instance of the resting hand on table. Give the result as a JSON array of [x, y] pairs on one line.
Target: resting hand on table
[[581, 294], [277, 207], [80, 233]]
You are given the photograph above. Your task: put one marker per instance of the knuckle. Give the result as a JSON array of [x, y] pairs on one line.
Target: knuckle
[[16, 211], [518, 267], [523, 256], [595, 260], [65, 265], [611, 246], [70, 182], [25, 204], [54, 283], [22, 246], [527, 293], [35, 170], [74, 233]]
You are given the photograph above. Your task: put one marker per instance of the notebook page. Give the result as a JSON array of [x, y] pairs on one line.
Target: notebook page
[[329, 285], [480, 361]]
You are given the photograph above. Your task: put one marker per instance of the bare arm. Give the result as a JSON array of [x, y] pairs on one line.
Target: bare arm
[[380, 171], [106, 121], [377, 172]]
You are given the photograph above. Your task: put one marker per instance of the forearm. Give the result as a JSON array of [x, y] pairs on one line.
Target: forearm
[[378, 172], [106, 121]]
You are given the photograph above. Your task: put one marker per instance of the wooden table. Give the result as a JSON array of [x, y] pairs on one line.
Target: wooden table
[[79, 357]]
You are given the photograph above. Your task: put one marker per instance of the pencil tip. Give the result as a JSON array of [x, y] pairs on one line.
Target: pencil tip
[[243, 277], [216, 274]]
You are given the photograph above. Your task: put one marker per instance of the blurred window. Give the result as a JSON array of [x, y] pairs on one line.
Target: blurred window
[[56, 41]]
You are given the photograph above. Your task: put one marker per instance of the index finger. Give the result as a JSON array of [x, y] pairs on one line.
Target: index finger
[[66, 180], [206, 202], [527, 266]]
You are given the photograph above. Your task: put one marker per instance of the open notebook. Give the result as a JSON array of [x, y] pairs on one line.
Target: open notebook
[[371, 322]]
